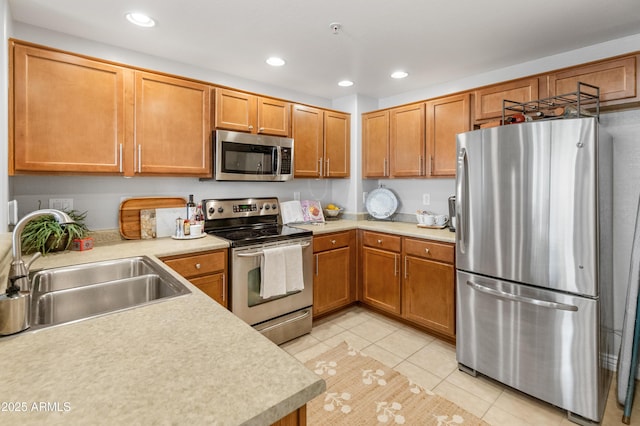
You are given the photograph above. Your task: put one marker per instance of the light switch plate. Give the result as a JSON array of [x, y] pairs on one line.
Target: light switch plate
[[13, 212]]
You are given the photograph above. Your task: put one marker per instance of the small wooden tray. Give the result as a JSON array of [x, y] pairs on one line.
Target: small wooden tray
[[129, 215]]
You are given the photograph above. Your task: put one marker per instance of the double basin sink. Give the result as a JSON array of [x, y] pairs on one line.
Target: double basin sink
[[73, 293]]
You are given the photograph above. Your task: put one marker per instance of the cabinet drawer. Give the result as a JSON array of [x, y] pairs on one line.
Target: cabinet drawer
[[382, 241], [429, 250], [199, 264], [330, 241]]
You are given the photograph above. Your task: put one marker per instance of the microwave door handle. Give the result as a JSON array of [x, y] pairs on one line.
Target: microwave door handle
[[275, 161]]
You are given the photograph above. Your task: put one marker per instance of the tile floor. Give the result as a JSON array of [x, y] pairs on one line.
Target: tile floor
[[432, 363]]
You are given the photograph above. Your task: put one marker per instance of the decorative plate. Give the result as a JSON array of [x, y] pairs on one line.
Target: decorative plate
[[381, 203]]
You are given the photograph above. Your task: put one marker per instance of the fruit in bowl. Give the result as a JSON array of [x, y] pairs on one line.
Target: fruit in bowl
[[332, 210]]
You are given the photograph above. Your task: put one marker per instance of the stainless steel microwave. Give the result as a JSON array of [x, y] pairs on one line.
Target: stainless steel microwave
[[245, 156]]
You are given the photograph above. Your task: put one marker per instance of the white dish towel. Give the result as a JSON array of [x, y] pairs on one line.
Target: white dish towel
[[273, 277], [293, 267]]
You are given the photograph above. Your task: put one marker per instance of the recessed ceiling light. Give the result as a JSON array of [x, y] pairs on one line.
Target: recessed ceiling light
[[140, 19], [275, 61], [399, 74], [345, 83]]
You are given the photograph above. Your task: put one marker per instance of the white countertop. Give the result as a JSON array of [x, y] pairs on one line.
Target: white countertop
[[185, 360]]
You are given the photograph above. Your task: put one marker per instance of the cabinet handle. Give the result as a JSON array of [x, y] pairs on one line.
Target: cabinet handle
[[395, 265], [426, 250], [321, 166], [261, 129], [327, 172], [333, 242], [198, 266], [316, 265], [250, 127], [224, 288], [120, 159], [139, 158], [379, 241], [406, 270]]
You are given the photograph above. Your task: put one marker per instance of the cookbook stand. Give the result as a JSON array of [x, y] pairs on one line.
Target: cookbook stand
[[391, 218]]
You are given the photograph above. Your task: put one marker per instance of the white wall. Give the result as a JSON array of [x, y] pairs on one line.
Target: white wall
[[5, 30]]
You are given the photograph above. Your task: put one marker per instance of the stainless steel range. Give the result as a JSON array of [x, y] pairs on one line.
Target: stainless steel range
[[253, 226]]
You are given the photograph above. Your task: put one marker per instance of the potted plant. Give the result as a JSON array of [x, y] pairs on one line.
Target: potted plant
[[45, 234]]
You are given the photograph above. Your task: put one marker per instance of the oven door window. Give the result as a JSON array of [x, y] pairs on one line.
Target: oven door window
[[249, 159], [253, 297]]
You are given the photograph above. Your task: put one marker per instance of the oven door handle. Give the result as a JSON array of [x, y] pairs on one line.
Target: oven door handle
[[305, 314], [260, 253]]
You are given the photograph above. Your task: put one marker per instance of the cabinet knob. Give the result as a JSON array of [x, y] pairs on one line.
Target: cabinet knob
[[379, 241], [198, 266], [250, 127], [261, 129], [333, 241], [426, 250]]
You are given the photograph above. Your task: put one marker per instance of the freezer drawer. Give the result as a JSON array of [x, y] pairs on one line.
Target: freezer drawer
[[541, 342]]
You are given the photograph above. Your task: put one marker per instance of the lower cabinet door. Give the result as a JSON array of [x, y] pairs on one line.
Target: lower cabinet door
[[381, 279], [331, 280], [428, 294], [214, 286]]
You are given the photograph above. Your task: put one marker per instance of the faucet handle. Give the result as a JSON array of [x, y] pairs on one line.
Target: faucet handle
[[13, 289]]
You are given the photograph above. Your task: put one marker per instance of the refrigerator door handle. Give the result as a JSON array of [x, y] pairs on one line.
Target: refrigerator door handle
[[516, 298], [461, 183]]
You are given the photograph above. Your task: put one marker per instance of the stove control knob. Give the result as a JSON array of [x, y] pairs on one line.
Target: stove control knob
[[267, 206], [212, 210], [273, 206], [220, 209]]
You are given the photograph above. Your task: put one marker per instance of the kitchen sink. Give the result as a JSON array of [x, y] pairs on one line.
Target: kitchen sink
[[74, 293]]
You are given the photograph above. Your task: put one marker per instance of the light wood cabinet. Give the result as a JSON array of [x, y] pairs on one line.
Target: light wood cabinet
[[616, 79], [428, 286], [207, 271], [381, 277], [375, 144], [334, 271], [172, 126], [321, 142], [72, 114], [69, 113], [245, 112], [488, 100], [446, 117], [407, 141]]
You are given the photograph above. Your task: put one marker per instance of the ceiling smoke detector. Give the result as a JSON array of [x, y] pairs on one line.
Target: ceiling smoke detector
[[335, 27]]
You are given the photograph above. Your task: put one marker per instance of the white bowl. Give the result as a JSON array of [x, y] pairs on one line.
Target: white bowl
[[332, 213]]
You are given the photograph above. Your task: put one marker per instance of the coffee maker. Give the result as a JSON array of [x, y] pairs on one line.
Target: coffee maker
[[452, 213]]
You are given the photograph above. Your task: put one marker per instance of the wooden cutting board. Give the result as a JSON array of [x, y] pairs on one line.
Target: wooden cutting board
[[129, 216]]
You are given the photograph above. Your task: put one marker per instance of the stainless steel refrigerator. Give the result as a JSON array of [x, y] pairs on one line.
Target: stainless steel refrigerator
[[534, 260]]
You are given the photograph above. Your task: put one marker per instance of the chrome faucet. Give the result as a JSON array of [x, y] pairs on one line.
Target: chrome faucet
[[15, 304]]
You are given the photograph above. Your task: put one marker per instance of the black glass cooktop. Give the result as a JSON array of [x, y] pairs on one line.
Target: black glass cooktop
[[248, 235]]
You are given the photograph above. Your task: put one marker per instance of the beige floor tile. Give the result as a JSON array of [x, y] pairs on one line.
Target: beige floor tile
[[373, 329], [418, 375], [300, 344], [529, 409], [444, 347], [384, 356], [470, 402], [404, 343], [498, 417], [326, 330], [353, 340], [351, 318], [481, 387], [435, 361], [312, 352]]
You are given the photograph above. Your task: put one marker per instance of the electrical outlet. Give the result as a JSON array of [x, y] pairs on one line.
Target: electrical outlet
[[61, 203], [296, 195], [426, 199], [13, 212]]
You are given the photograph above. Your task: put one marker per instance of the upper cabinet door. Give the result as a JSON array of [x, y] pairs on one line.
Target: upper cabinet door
[[407, 141], [375, 144], [172, 126], [446, 117], [337, 132], [489, 99], [68, 113], [308, 137], [235, 110], [273, 117], [616, 79]]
